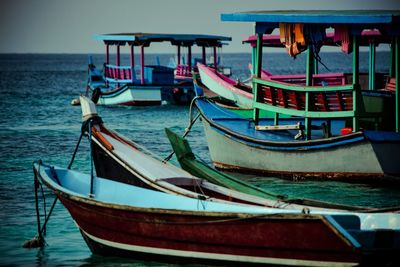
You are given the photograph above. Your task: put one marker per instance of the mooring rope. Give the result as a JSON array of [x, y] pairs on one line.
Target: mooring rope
[[190, 125], [38, 240]]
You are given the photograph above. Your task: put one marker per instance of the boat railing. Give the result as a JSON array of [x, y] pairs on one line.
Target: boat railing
[[184, 70], [324, 79], [332, 101], [119, 74]]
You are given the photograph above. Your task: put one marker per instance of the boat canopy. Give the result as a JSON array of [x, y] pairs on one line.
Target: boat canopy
[[266, 21], [144, 39], [306, 30]]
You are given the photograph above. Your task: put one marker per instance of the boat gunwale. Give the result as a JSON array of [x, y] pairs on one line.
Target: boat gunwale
[[124, 207], [307, 143]]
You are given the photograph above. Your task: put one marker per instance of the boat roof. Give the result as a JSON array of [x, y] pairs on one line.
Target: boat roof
[[317, 16], [140, 38], [360, 19]]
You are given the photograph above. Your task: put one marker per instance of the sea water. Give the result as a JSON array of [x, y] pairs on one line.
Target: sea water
[[38, 122]]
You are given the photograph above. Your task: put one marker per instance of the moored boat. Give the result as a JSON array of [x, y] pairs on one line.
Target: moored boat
[[120, 159], [121, 85], [333, 131], [120, 219], [189, 162]]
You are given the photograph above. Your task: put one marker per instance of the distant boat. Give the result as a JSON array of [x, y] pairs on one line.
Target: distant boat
[[119, 85], [118, 219], [323, 131]]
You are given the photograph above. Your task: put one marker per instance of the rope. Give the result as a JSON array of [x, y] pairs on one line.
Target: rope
[[91, 157], [189, 127]]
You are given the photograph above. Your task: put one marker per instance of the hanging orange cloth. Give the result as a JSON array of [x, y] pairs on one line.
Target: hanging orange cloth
[[291, 35]]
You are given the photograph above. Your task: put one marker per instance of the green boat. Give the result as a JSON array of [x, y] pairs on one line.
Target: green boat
[[189, 163]]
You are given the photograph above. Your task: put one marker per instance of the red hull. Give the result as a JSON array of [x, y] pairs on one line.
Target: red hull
[[188, 236]]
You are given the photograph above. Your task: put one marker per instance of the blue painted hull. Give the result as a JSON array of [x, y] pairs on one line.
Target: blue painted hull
[[235, 144]]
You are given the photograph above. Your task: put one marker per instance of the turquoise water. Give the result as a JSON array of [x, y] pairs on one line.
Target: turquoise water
[[38, 122]]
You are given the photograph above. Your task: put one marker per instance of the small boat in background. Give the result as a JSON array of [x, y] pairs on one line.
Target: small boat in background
[[118, 219], [120, 85]]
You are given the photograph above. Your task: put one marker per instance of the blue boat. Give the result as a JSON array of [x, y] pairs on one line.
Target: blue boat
[[333, 132], [118, 84], [118, 219]]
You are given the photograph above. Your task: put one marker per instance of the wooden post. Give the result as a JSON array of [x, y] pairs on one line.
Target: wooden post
[[371, 66], [132, 60], [142, 63], [309, 80], [356, 86], [258, 68]]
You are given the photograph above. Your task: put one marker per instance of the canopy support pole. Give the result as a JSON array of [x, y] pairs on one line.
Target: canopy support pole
[[215, 57], [142, 63], [117, 62], [371, 76], [309, 75], [190, 57], [203, 58], [179, 56], [107, 59], [397, 78], [258, 68], [132, 61], [356, 85]]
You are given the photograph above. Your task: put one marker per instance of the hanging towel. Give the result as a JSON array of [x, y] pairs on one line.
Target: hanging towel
[[291, 35], [342, 35]]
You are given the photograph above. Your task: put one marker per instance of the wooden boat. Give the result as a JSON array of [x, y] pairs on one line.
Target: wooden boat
[[332, 133], [118, 219], [188, 162], [120, 159], [118, 84], [241, 93]]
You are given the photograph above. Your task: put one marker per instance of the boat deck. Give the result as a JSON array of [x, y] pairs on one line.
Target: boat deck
[[245, 127]]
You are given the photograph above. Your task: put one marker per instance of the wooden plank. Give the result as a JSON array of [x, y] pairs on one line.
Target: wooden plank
[[278, 127]]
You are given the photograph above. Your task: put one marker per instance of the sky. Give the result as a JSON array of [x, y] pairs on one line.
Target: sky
[[68, 26]]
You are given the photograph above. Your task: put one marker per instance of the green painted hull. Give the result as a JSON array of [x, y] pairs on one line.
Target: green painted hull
[[189, 163]]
